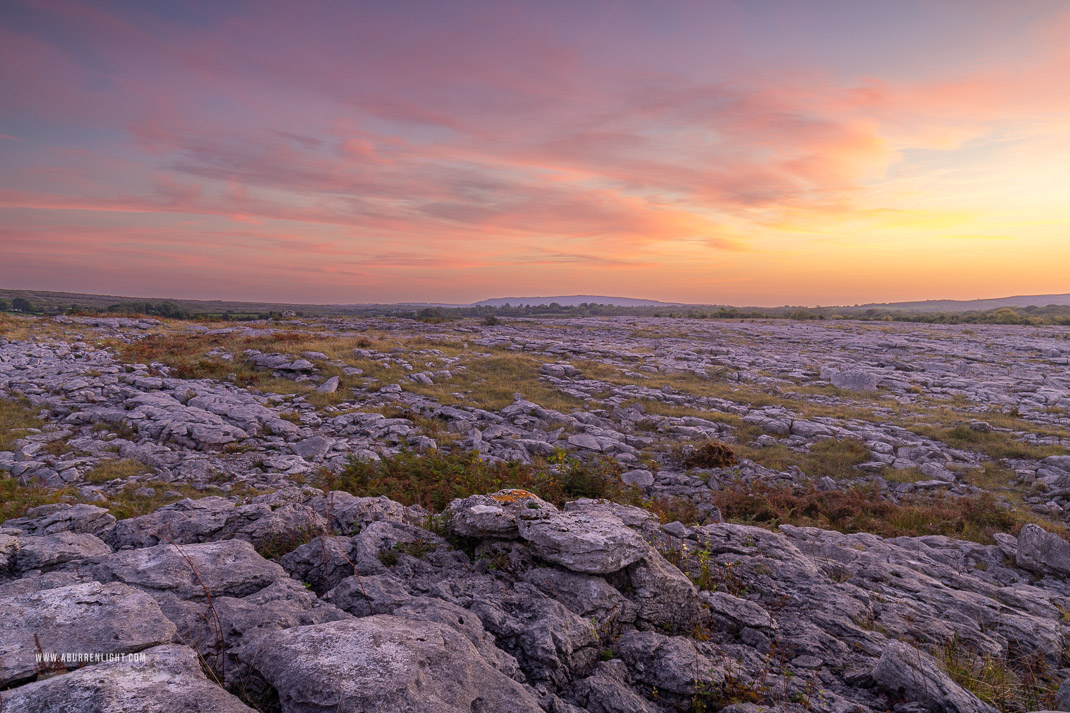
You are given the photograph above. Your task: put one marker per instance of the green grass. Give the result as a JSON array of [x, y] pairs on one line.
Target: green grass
[[128, 503], [1022, 682], [903, 475], [16, 417], [108, 470], [994, 444], [17, 499], [863, 509], [490, 383], [434, 479], [832, 457], [991, 476]]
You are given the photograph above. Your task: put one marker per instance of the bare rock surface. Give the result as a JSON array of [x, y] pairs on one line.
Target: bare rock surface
[[394, 618], [383, 663], [224, 568], [583, 542], [81, 618], [247, 558], [169, 680]]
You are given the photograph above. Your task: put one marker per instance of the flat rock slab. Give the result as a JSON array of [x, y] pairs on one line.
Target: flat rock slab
[[229, 568], [855, 380], [82, 618], [383, 663], [44, 551], [169, 680], [184, 521], [593, 543], [50, 519]]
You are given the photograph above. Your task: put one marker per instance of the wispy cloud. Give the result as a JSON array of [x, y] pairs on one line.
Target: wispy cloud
[[519, 144]]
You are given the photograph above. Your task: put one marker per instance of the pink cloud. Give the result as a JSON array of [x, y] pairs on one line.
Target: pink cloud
[[461, 140]]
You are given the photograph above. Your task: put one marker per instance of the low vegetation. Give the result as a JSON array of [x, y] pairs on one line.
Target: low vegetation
[[994, 444], [708, 455], [434, 479], [1010, 682], [863, 509], [490, 383], [112, 469], [17, 499], [835, 458], [17, 418]]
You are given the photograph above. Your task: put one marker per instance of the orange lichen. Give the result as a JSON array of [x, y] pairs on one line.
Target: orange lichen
[[512, 495]]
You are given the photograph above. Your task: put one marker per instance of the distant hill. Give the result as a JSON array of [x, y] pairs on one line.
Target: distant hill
[[571, 301], [47, 301], [974, 305]]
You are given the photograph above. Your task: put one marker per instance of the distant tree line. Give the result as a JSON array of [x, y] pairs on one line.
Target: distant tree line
[[1047, 315]]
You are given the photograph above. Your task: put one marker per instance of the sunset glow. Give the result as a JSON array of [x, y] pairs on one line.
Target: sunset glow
[[751, 153]]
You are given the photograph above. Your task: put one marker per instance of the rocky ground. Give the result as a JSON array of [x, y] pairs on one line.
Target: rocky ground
[[247, 581]]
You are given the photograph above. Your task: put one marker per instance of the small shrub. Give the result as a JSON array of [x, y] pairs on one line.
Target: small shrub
[[709, 455], [418, 548], [275, 547]]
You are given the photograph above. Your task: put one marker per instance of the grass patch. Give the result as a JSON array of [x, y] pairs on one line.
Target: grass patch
[[16, 499], [659, 408], [992, 476], [108, 470], [17, 329], [129, 503], [16, 418], [903, 475], [277, 546], [57, 448], [864, 510], [994, 444], [434, 479], [1023, 682], [795, 398], [832, 457], [490, 383]]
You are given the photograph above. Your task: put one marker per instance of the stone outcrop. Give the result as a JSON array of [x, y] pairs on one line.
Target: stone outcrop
[[603, 610]]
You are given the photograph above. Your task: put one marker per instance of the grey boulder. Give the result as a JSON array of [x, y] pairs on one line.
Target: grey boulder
[[383, 663], [589, 542], [1043, 552], [46, 551]]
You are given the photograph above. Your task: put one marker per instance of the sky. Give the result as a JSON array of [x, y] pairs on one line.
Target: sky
[[756, 152]]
